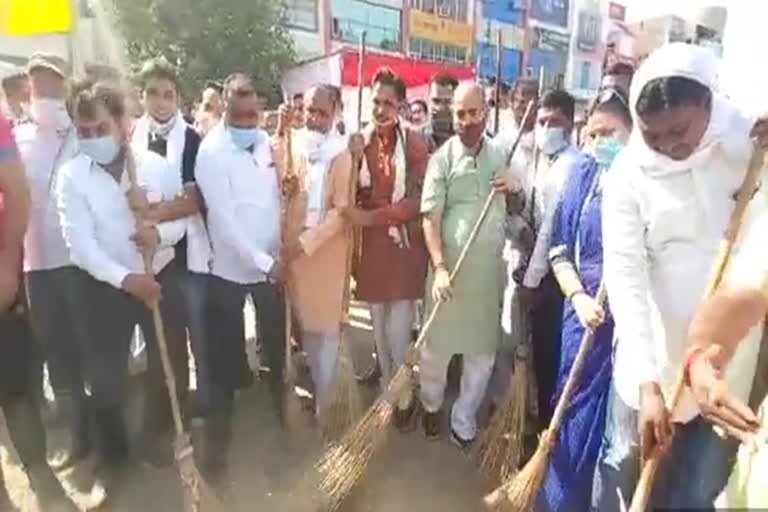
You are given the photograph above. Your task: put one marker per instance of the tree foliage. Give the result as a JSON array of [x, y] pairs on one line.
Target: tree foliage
[[208, 39]]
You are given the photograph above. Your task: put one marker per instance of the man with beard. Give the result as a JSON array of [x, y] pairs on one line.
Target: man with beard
[[317, 239], [163, 131], [459, 178], [440, 126], [394, 162]]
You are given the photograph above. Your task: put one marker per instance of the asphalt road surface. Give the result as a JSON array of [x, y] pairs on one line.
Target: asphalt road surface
[[272, 470]]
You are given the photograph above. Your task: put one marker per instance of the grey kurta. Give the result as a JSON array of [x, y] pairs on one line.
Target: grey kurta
[[458, 184]]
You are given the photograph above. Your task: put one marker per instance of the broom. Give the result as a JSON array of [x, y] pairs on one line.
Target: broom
[[345, 405], [747, 190], [501, 445], [519, 493], [343, 465], [195, 489]]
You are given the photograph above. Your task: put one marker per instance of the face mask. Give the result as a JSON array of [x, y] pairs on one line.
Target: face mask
[[50, 113], [102, 150], [243, 138], [550, 140], [606, 149], [161, 128], [311, 140]]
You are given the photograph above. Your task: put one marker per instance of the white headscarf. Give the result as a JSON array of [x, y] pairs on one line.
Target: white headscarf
[[700, 65]]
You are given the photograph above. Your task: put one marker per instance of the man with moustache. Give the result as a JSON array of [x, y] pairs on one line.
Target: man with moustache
[[459, 178], [394, 162]]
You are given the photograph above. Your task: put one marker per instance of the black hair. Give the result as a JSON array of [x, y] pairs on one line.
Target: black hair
[[421, 103], [620, 69], [298, 96], [671, 92], [445, 80], [158, 69], [385, 76], [88, 96], [240, 85], [12, 83], [561, 101], [216, 86], [615, 104]]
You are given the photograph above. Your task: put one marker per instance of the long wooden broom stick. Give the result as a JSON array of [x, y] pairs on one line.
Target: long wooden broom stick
[[521, 490], [345, 463], [192, 481], [748, 188], [345, 406]]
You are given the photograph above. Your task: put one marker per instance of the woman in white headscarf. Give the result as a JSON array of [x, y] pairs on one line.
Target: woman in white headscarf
[[666, 207]]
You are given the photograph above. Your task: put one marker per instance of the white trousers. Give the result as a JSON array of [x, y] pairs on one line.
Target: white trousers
[[322, 351], [392, 324], [433, 374]]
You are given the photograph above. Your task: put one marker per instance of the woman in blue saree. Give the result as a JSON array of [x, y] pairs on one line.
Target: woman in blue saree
[[576, 256]]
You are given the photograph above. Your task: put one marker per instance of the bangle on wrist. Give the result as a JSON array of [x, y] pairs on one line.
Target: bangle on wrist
[[693, 354]]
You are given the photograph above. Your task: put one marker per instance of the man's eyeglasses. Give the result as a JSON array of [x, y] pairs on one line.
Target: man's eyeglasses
[[609, 93]]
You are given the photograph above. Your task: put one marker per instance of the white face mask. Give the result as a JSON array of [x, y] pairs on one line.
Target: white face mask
[[550, 139], [102, 150], [50, 113]]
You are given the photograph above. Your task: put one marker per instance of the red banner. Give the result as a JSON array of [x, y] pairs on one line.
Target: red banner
[[413, 72]]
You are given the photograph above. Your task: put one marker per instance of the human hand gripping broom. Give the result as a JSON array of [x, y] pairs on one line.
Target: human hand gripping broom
[[748, 188], [345, 405], [519, 492], [195, 490], [342, 466]]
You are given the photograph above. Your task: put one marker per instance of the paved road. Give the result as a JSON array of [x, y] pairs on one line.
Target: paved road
[[272, 469]]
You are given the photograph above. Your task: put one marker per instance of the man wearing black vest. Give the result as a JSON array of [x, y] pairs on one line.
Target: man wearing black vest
[[162, 130]]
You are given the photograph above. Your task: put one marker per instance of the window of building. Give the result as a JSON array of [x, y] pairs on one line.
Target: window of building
[[425, 49], [302, 14], [586, 70], [381, 24]]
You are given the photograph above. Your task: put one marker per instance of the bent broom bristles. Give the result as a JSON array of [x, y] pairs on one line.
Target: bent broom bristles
[[344, 464], [519, 493]]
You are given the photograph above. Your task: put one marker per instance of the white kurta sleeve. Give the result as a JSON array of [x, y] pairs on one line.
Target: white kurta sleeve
[[215, 185], [625, 272], [169, 185], [79, 229]]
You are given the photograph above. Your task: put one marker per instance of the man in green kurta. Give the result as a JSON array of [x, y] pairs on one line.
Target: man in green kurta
[[459, 178]]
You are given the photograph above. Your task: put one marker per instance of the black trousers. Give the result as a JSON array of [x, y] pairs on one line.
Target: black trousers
[[20, 377], [58, 329], [110, 318], [547, 323], [225, 337]]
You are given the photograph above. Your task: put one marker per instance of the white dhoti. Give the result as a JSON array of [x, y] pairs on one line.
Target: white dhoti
[[322, 351], [433, 374], [392, 325]]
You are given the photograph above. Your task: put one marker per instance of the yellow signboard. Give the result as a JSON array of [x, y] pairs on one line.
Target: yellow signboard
[[440, 30], [30, 17]]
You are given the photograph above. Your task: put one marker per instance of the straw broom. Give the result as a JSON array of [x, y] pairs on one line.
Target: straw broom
[[345, 463], [346, 406], [519, 493], [501, 444], [748, 188], [195, 489]]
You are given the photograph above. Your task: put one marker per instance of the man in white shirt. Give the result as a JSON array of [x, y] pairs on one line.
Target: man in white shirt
[[46, 144], [538, 288], [163, 131], [107, 243], [239, 182]]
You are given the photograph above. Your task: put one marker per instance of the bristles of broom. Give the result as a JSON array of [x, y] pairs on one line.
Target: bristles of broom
[[345, 406], [501, 447], [345, 463]]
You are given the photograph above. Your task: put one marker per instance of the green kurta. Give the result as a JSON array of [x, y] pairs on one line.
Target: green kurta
[[458, 184]]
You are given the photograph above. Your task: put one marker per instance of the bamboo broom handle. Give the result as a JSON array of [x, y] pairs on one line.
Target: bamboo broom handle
[[157, 318], [746, 192]]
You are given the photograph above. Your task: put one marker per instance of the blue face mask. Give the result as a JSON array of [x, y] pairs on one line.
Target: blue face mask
[[102, 150], [606, 149], [243, 138]]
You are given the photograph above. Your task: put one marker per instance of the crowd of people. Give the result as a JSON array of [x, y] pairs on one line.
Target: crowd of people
[[119, 214]]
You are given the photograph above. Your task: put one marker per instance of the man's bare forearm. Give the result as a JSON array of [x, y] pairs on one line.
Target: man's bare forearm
[[433, 236], [190, 203], [13, 185]]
